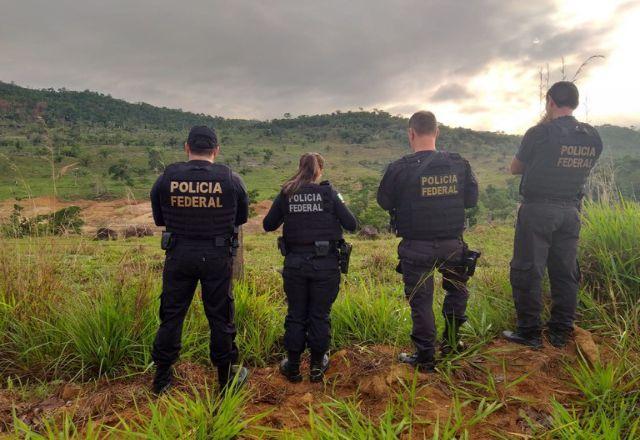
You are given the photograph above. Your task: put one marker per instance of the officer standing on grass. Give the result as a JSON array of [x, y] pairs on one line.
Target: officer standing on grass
[[554, 159], [200, 203], [313, 214], [426, 194]]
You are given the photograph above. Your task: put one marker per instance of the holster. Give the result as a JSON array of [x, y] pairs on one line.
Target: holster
[[470, 260], [235, 242], [393, 221], [166, 241], [344, 255], [282, 246]]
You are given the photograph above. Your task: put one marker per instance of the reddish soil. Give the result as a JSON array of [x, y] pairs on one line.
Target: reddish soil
[[117, 214], [369, 374]]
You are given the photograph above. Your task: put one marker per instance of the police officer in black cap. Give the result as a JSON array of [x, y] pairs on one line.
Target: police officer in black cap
[[426, 194], [313, 215], [554, 159], [201, 204]]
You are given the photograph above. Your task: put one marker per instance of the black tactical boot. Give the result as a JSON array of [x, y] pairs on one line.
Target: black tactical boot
[[162, 379], [420, 361], [450, 342], [227, 373], [533, 340], [319, 365], [558, 337], [290, 367]]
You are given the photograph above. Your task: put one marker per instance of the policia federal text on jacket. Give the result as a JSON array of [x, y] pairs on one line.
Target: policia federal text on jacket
[[200, 203], [313, 215], [555, 159], [427, 193]]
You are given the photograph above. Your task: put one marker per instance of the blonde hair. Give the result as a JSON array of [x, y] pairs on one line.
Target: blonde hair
[[309, 168]]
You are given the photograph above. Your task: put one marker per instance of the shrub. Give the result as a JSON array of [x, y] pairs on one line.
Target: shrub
[[610, 250], [63, 221]]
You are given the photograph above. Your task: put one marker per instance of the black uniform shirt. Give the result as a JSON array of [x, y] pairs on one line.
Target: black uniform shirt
[[275, 216], [538, 136], [394, 183], [242, 210]]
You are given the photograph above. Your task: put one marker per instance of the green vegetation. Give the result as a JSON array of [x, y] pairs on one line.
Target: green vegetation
[[84, 311], [63, 221], [92, 146]]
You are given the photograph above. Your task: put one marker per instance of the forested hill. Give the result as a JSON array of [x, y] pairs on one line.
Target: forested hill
[[65, 106], [68, 108], [107, 147]]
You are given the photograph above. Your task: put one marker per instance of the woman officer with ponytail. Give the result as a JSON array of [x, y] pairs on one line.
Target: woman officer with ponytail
[[313, 215]]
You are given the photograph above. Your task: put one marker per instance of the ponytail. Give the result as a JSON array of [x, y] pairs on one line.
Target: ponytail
[[310, 167]]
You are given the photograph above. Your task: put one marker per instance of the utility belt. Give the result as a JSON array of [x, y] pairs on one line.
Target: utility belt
[[552, 201], [340, 248], [467, 264], [169, 240]]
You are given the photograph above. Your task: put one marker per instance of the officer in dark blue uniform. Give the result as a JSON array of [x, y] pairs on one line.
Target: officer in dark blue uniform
[[313, 215], [426, 194], [200, 203], [554, 159]]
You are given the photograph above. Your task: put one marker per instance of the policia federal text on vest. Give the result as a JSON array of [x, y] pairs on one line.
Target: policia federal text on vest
[[201, 204], [427, 193], [556, 157], [315, 254]]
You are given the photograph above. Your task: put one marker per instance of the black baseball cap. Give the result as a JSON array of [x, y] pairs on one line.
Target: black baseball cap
[[201, 136]]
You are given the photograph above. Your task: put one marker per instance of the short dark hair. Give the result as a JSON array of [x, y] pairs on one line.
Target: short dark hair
[[564, 94], [423, 122]]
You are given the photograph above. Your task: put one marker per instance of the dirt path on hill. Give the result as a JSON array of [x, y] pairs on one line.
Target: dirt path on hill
[[524, 383], [65, 169], [117, 214]]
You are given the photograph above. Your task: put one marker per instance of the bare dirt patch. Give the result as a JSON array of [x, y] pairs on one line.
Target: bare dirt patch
[[117, 214], [523, 381]]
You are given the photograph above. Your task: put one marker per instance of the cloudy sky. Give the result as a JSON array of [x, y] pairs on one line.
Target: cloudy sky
[[476, 63]]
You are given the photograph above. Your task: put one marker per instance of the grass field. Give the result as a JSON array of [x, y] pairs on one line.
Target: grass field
[[77, 318]]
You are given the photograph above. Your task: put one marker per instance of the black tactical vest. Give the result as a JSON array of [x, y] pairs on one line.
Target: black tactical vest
[[559, 170], [431, 203], [198, 200], [310, 215]]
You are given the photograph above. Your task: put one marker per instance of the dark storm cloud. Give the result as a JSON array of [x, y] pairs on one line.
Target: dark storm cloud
[[261, 59], [451, 92]]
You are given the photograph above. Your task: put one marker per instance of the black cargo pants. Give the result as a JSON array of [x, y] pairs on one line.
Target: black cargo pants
[[546, 237], [311, 285], [187, 263], [419, 259]]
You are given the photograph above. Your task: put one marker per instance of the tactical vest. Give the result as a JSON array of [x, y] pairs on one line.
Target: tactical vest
[[198, 200], [432, 199], [561, 166], [310, 215]]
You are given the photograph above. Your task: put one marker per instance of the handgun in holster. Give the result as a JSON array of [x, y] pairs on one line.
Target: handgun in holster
[[166, 241], [235, 241], [344, 255], [470, 260], [282, 246], [393, 221]]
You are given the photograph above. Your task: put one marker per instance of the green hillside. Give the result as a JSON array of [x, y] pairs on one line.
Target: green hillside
[[100, 147]]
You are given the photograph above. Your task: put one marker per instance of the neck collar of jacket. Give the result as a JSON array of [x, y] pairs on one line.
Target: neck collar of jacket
[[200, 162]]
